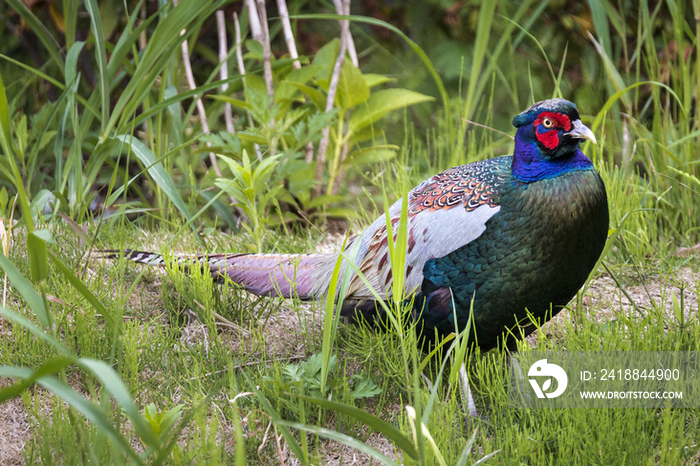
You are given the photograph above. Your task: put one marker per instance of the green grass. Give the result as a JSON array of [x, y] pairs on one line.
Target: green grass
[[123, 364]]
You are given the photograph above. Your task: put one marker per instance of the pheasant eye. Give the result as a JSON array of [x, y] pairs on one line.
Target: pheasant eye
[[547, 123]]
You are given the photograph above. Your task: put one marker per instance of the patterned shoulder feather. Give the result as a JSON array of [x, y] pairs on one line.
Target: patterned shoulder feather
[[471, 186]]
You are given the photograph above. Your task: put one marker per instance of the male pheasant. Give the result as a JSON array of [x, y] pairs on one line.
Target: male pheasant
[[514, 234]]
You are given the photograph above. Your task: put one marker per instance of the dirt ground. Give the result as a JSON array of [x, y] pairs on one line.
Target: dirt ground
[[14, 432], [603, 294]]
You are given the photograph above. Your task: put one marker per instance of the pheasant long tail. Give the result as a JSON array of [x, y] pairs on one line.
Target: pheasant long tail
[[281, 275]]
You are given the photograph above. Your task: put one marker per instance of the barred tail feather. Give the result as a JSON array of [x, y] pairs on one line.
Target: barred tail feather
[[273, 274], [281, 275]]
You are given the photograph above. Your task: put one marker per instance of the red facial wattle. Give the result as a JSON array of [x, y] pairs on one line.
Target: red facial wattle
[[549, 137]]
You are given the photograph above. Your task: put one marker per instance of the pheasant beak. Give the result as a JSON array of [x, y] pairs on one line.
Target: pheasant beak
[[581, 131]]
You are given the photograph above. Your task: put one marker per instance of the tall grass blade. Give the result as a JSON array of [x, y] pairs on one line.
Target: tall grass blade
[[43, 34], [8, 149], [27, 324], [89, 410], [52, 366], [34, 300], [342, 438], [621, 93], [82, 289], [370, 420], [70, 17], [163, 44], [156, 170], [332, 315], [483, 33], [101, 56], [274, 416], [115, 386]]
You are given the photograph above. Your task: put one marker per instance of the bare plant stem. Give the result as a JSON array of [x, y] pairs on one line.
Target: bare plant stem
[[241, 70], [339, 7], [223, 51], [267, 63], [200, 104], [292, 47], [267, 52], [332, 89], [288, 34], [254, 20]]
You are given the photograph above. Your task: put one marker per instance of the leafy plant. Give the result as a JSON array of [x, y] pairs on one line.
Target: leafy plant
[[251, 190], [286, 122], [305, 379]]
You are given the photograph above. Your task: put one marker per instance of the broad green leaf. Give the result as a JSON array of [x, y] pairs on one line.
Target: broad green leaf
[[316, 96], [5, 135], [175, 113], [25, 288], [254, 82], [376, 79], [285, 90], [600, 21], [352, 88], [323, 199], [108, 10], [41, 203], [419, 51], [255, 49], [382, 102], [22, 137], [221, 210], [325, 61], [156, 170], [251, 137]]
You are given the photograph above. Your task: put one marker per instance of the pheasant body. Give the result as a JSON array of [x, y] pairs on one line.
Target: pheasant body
[[514, 234]]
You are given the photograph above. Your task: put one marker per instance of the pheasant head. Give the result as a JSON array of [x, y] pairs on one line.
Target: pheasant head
[[547, 141]]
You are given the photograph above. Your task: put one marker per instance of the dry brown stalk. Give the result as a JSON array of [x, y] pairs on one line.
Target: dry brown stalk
[[223, 51], [267, 52], [288, 34], [332, 89], [200, 105], [254, 20], [292, 47], [351, 43], [241, 70]]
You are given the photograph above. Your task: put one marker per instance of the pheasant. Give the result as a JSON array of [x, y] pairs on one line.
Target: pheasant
[[514, 234]]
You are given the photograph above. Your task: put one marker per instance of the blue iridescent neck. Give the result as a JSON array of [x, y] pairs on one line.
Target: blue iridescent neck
[[529, 164]]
